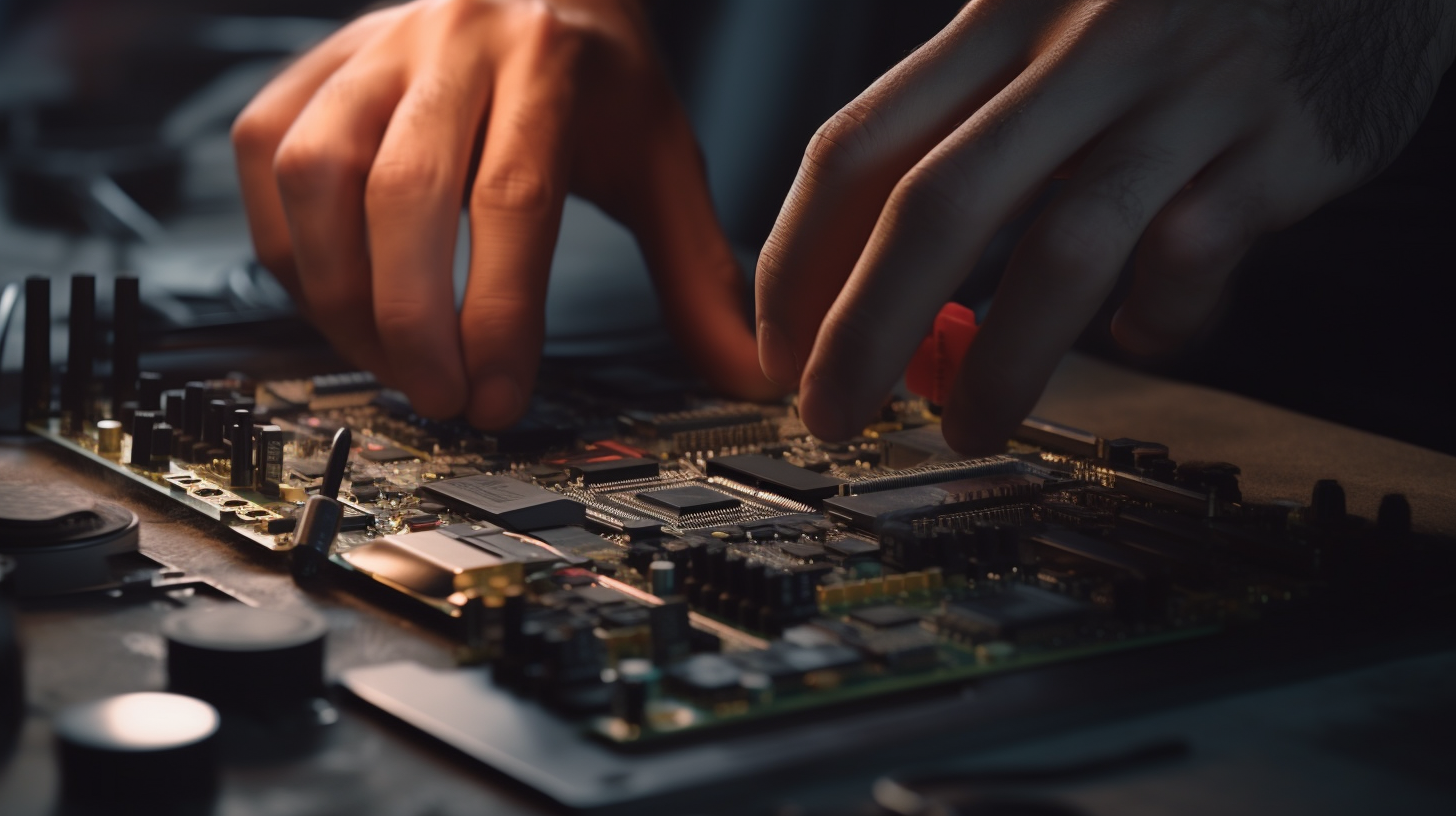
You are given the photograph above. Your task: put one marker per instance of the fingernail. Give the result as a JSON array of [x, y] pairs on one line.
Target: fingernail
[[496, 402], [775, 356]]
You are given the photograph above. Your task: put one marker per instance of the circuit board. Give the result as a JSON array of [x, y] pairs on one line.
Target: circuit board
[[652, 572]]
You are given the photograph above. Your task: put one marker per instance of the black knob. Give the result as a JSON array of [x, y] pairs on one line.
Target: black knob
[[252, 661], [1394, 516], [136, 753], [1327, 504]]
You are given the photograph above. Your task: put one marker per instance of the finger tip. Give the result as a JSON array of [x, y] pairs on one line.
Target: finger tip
[[827, 414], [775, 357]]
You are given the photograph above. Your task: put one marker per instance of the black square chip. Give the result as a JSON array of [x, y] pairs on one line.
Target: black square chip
[[690, 499]]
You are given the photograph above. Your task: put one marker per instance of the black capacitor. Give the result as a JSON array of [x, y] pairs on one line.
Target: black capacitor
[[149, 391], [161, 446], [145, 752], [1393, 519], [1327, 505], [671, 631], [35, 384], [126, 311], [241, 448], [194, 405], [173, 408], [215, 423], [80, 352], [269, 445], [141, 437], [182, 446], [753, 594], [241, 659], [629, 697], [125, 413]]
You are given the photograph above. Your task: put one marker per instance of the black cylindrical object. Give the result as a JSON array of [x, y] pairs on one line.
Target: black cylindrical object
[[126, 313], [80, 352], [35, 384], [138, 753], [252, 661], [149, 391], [241, 448], [194, 404], [161, 446], [141, 437], [215, 423], [173, 407]]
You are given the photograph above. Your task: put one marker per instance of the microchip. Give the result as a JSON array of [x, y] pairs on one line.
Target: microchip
[[308, 470], [885, 617], [852, 547], [616, 470], [777, 475], [1018, 613], [365, 493], [385, 453], [508, 502], [691, 499]]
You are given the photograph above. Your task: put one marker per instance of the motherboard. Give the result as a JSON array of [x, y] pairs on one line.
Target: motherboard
[[638, 564], [652, 572]]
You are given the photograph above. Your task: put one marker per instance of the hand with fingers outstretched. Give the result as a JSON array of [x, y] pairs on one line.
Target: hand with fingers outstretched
[[1187, 128], [355, 160]]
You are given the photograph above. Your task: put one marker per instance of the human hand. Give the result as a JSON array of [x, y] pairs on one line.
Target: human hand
[[1188, 128], [355, 160]]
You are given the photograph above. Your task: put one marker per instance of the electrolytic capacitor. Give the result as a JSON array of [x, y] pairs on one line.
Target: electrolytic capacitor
[[664, 578], [161, 447], [215, 423], [126, 339], [35, 384], [241, 448], [149, 391], [80, 353], [141, 437], [108, 437]]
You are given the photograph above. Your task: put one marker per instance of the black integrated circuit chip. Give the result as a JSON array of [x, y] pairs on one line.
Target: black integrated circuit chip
[[505, 501], [684, 501], [616, 470], [777, 475], [885, 617]]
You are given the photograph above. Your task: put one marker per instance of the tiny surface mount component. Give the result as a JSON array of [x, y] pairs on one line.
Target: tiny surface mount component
[[648, 573]]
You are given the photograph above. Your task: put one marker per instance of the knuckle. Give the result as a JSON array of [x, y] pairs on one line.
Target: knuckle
[[403, 317], [1197, 242], [254, 132], [395, 181], [933, 198], [514, 188], [844, 143], [304, 167]]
